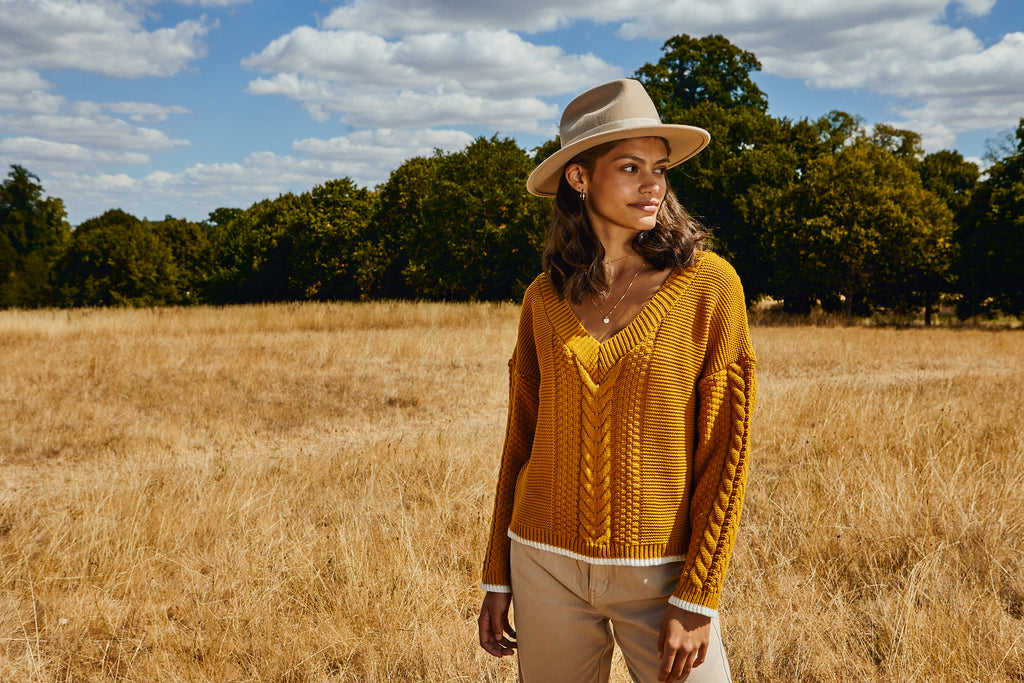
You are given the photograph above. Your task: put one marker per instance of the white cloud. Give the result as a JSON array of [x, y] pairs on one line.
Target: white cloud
[[191, 193], [639, 18], [477, 77], [367, 157], [100, 36], [262, 175], [408, 59], [141, 112], [213, 3], [25, 90], [22, 80], [89, 129], [45, 154], [492, 63], [404, 17], [944, 78], [407, 108], [977, 7], [32, 101]]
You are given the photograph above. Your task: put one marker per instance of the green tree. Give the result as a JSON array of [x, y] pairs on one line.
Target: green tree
[[295, 247], [859, 230], [253, 251], [192, 252], [223, 216], [695, 71], [546, 149], [329, 249], [33, 232], [828, 134], [117, 259], [951, 177], [991, 239], [459, 226], [398, 222], [733, 184], [902, 144]]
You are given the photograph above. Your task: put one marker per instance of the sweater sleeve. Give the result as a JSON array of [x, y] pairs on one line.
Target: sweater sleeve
[[726, 392], [524, 383]]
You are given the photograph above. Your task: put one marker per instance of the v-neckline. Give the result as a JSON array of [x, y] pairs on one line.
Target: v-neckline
[[664, 278], [601, 355]]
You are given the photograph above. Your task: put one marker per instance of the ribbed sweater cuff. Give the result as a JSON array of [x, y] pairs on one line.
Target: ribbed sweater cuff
[[491, 588], [693, 607]]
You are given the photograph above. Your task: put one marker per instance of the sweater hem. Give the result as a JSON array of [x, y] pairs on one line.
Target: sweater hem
[[494, 588], [693, 607], [608, 561]]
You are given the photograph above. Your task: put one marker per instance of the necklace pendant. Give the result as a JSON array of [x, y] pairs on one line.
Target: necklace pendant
[[606, 320]]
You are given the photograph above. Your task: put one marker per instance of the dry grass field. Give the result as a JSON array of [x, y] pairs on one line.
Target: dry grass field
[[301, 493]]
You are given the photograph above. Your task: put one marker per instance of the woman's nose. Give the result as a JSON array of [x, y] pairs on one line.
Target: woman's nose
[[651, 180]]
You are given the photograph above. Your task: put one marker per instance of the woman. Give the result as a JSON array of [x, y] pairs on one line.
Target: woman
[[631, 388]]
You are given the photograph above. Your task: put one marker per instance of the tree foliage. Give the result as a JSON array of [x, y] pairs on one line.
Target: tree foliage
[[902, 144], [991, 238], [117, 260], [329, 250], [951, 177], [732, 184], [192, 250], [694, 71], [825, 211], [33, 231], [254, 251], [860, 231], [459, 226]]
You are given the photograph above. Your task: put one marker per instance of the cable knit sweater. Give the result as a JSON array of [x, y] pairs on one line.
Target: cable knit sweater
[[634, 450]]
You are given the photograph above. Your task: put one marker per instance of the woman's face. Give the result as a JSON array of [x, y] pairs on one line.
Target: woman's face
[[626, 186]]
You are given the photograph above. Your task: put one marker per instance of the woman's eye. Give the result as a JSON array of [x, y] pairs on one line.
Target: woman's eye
[[660, 170], [629, 168]]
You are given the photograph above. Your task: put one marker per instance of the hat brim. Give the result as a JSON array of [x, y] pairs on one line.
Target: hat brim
[[683, 143]]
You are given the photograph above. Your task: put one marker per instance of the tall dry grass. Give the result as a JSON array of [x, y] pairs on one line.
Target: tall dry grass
[[301, 493]]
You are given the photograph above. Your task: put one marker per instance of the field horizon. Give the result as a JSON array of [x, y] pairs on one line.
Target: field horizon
[[301, 492]]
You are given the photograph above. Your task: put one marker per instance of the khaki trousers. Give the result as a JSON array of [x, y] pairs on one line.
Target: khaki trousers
[[569, 614]]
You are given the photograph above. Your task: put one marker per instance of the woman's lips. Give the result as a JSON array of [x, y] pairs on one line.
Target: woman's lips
[[648, 207]]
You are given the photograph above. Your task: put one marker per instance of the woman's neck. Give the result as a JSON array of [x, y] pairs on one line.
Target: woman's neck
[[617, 251]]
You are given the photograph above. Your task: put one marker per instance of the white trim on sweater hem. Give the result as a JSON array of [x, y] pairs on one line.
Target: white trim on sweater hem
[[622, 562], [692, 607]]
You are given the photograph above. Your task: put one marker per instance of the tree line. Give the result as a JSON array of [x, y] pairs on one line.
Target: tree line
[[825, 212]]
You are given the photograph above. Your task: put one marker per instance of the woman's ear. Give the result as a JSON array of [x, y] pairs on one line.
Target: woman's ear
[[576, 176]]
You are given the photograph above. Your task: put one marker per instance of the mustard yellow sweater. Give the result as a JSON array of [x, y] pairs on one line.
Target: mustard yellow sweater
[[632, 451]]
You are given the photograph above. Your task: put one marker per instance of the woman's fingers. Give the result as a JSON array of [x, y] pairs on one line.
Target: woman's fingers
[[682, 643], [493, 625]]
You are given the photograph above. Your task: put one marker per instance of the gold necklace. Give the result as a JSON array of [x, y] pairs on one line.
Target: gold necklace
[[606, 317], [608, 263]]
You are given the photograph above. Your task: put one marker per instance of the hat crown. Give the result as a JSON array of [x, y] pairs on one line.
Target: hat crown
[[618, 105], [610, 112]]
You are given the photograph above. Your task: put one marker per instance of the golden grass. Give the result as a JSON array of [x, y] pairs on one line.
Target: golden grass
[[301, 493]]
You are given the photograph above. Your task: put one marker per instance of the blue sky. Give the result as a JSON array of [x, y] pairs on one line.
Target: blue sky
[[178, 108]]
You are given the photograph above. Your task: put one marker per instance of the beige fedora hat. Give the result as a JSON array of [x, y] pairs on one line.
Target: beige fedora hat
[[612, 111]]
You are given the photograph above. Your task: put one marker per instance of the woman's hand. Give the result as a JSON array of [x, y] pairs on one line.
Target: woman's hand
[[683, 643], [494, 625]]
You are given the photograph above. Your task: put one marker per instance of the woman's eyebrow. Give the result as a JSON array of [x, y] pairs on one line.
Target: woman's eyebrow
[[663, 160]]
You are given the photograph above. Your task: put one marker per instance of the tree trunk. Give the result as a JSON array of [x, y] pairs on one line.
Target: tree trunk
[[848, 307]]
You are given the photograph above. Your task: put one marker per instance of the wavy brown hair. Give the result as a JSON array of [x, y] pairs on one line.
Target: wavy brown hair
[[573, 256]]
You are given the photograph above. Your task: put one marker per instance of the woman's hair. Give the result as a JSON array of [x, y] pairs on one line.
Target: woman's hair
[[573, 256]]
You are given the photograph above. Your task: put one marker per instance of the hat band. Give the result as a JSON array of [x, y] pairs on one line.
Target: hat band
[[619, 124]]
